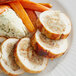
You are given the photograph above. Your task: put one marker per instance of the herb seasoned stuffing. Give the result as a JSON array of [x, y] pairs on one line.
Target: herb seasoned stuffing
[[11, 25]]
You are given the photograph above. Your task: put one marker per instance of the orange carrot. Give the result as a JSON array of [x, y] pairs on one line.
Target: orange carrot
[[3, 8], [33, 17], [17, 7], [33, 6], [46, 4], [6, 1]]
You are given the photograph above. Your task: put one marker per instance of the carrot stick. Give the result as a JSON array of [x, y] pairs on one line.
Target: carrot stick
[[46, 4], [17, 7], [33, 17], [6, 1], [33, 6]]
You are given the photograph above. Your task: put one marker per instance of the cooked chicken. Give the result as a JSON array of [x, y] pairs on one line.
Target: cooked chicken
[[1, 40], [27, 59], [7, 63], [47, 47], [54, 24]]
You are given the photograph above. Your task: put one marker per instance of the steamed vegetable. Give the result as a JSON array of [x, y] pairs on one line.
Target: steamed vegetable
[[17, 7]]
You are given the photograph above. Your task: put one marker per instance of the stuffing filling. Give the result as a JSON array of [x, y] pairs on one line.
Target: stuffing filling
[[26, 51], [11, 60], [33, 57], [55, 22], [48, 42]]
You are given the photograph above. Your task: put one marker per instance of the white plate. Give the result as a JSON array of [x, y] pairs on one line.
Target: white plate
[[65, 65]]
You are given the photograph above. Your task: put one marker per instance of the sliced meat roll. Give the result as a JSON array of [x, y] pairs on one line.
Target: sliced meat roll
[[27, 59], [1, 40], [8, 64], [47, 47], [54, 24]]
